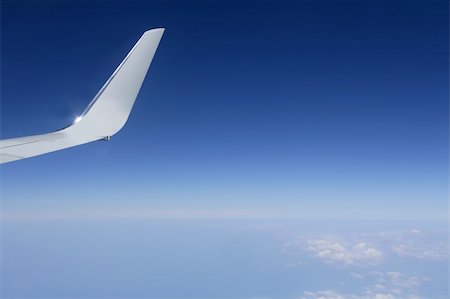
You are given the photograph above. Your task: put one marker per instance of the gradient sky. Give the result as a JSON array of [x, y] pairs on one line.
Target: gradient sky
[[307, 108], [278, 149], [324, 107]]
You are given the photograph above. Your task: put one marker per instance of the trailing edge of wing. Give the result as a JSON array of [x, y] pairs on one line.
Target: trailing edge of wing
[[104, 116]]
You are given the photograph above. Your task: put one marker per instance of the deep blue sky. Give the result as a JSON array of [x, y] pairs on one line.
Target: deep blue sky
[[306, 108]]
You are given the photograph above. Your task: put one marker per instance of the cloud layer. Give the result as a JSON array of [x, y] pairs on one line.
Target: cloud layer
[[382, 285], [371, 249], [367, 258], [337, 250]]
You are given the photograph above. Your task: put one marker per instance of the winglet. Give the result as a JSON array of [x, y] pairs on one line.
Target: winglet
[[105, 115], [108, 112]]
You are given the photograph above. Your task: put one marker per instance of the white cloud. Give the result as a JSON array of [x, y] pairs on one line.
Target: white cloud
[[338, 250], [325, 294], [398, 280], [415, 244], [363, 255], [420, 251], [389, 285], [332, 294], [371, 249]]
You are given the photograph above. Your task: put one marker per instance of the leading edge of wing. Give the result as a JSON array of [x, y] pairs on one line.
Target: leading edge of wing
[[105, 115]]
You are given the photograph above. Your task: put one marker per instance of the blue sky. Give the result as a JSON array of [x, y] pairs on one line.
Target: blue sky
[[335, 103], [257, 111]]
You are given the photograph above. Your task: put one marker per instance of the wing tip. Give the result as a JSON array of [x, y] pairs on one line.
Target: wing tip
[[155, 30]]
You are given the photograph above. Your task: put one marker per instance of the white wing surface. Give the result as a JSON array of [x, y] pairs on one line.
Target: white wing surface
[[104, 116]]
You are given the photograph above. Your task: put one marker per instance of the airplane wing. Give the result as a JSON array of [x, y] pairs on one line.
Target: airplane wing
[[106, 114]]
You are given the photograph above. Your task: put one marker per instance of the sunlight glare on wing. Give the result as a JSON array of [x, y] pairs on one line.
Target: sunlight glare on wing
[[77, 119]]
